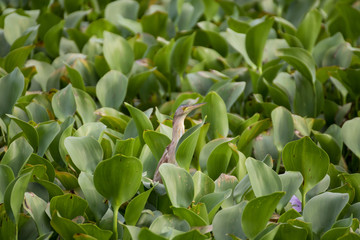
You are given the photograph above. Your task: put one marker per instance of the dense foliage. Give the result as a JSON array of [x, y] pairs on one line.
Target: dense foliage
[[88, 89]]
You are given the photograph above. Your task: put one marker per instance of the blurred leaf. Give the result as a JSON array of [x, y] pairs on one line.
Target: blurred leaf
[[6, 177], [180, 53], [47, 132], [118, 53], [255, 40], [301, 60], [111, 89], [11, 88], [15, 25], [52, 39], [283, 127], [17, 58], [75, 78], [85, 105], [63, 103], [155, 24], [352, 140], [309, 29]]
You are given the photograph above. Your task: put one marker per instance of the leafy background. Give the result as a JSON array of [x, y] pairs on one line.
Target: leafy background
[[87, 92]]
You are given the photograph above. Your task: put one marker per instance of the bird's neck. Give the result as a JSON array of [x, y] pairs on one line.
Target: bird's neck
[[178, 129]]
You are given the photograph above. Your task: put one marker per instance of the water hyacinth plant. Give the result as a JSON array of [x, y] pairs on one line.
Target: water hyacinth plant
[[88, 93]]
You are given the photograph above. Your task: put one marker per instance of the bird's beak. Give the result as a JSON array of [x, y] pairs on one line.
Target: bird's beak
[[193, 107]]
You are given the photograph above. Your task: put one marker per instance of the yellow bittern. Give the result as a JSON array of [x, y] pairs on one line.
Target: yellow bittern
[[177, 132]]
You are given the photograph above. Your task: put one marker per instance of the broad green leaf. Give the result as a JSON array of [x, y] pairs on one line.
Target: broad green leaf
[[17, 58], [75, 78], [142, 122], [145, 233], [190, 235], [203, 185], [96, 232], [215, 110], [157, 142], [118, 53], [91, 129], [47, 132], [351, 139], [228, 221], [36, 206], [251, 132], [180, 53], [63, 103], [28, 130], [304, 156], [290, 181], [193, 218], [155, 24], [68, 180], [353, 180], [264, 180], [329, 144], [118, 188], [52, 188], [85, 152], [11, 88], [52, 39], [17, 155], [15, 25], [166, 223], [255, 40], [288, 231], [14, 196], [85, 105], [317, 211], [68, 206], [186, 146], [283, 127], [213, 202], [178, 183], [65, 227], [94, 199], [301, 60], [309, 29], [257, 213], [230, 92], [124, 147], [135, 207], [111, 89], [6, 177], [223, 183]]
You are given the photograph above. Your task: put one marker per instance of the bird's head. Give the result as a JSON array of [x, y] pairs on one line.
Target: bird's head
[[184, 110]]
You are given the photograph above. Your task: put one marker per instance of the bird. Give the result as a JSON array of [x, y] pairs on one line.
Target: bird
[[178, 130]]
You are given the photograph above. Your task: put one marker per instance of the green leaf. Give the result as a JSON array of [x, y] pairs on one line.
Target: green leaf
[[147, 234], [186, 146], [15, 25], [17, 58], [255, 40], [230, 92], [166, 223], [142, 122], [111, 89], [28, 130], [68, 206], [283, 127], [191, 235], [47, 132], [94, 199], [11, 88], [352, 140], [118, 53], [181, 52], [118, 188], [135, 207], [17, 155], [155, 24], [63, 103], [193, 218], [215, 110], [75, 77], [257, 213], [85, 105], [6, 177], [213, 201], [52, 39], [304, 156], [290, 181], [14, 196], [228, 222], [309, 29], [264, 180], [157, 142], [251, 132], [301, 60], [178, 183], [317, 211], [329, 144], [96, 232], [65, 227], [203, 185], [85, 152], [36, 206]]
